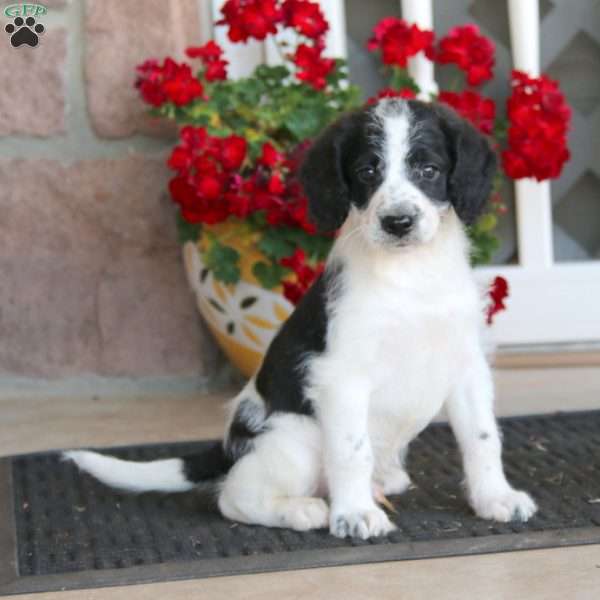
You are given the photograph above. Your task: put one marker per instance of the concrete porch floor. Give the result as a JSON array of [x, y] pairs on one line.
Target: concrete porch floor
[[39, 423]]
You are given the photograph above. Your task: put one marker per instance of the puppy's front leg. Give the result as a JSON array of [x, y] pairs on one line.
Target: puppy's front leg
[[343, 414], [470, 409]]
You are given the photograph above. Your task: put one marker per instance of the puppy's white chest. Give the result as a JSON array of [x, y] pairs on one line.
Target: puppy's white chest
[[418, 349]]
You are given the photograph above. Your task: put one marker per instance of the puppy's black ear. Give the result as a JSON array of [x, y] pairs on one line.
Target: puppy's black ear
[[322, 175], [474, 166]]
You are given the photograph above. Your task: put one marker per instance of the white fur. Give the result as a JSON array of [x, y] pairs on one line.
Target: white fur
[[404, 337], [157, 476]]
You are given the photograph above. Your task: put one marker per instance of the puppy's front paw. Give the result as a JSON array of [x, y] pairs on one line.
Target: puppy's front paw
[[365, 523], [509, 505]]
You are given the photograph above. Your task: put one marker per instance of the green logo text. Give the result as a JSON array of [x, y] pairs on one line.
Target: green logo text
[[25, 10]]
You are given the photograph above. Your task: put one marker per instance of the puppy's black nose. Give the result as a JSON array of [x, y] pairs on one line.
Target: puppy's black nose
[[398, 225]]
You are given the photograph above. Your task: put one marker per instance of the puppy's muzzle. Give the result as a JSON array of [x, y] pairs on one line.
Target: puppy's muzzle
[[398, 225]]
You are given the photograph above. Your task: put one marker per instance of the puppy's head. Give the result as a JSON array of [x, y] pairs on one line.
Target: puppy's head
[[398, 168]]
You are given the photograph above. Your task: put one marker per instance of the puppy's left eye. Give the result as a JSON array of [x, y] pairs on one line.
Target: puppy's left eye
[[430, 172], [367, 174]]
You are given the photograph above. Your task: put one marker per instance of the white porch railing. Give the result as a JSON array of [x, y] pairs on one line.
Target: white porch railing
[[549, 302]]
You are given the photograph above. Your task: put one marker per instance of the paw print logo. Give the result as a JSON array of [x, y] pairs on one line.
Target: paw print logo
[[24, 31]]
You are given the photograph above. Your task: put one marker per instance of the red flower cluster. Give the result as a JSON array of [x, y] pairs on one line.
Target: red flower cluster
[[169, 82], [478, 109], [305, 275], [406, 93], [313, 68], [258, 18], [250, 19], [211, 56], [305, 17], [470, 51], [207, 187], [498, 292], [539, 120], [398, 41]]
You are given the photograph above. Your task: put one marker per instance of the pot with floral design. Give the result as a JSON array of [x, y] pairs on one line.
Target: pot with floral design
[[243, 317]]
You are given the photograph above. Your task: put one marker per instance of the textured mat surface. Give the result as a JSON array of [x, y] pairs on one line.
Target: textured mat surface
[[66, 530]]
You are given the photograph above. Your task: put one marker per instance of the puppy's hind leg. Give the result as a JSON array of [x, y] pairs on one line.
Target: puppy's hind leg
[[390, 477], [279, 483]]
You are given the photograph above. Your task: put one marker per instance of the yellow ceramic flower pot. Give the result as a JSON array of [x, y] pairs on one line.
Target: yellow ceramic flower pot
[[244, 317]]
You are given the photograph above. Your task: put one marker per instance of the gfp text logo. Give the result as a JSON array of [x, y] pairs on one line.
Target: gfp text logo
[[25, 10]]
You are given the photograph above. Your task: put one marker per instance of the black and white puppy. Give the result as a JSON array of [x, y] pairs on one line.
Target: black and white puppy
[[389, 334]]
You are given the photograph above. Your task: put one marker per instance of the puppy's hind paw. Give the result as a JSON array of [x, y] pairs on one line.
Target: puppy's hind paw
[[303, 514]]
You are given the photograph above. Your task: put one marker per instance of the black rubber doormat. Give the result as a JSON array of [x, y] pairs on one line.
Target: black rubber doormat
[[62, 530]]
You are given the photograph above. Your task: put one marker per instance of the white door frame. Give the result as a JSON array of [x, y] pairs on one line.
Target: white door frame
[[549, 303]]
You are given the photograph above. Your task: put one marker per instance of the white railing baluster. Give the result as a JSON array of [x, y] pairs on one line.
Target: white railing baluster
[[274, 55], [533, 203], [335, 40], [420, 67]]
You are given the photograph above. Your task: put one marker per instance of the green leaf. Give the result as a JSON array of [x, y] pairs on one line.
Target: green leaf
[[223, 261], [483, 245], [401, 79], [275, 245], [269, 275], [316, 247], [187, 232], [487, 223], [304, 123]]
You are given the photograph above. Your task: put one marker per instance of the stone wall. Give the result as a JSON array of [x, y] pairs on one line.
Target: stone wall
[[91, 278]]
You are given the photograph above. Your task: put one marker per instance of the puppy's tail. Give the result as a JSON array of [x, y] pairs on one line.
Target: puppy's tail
[[166, 475]]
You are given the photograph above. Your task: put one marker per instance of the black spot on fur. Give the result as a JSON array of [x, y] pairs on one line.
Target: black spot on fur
[[473, 162], [247, 423], [428, 146], [281, 379], [484, 436], [207, 465], [331, 163]]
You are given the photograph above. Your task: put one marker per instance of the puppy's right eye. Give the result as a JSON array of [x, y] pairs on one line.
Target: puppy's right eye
[[367, 174]]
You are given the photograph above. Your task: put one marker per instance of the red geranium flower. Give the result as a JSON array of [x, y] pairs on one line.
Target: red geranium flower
[[233, 152], [210, 54], [406, 93], [195, 208], [276, 185], [250, 19], [239, 205], [478, 109], [207, 186], [313, 68], [537, 137], [293, 292], [470, 51], [498, 292], [169, 82], [180, 159], [269, 156], [300, 217], [398, 41], [305, 275], [306, 17]]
